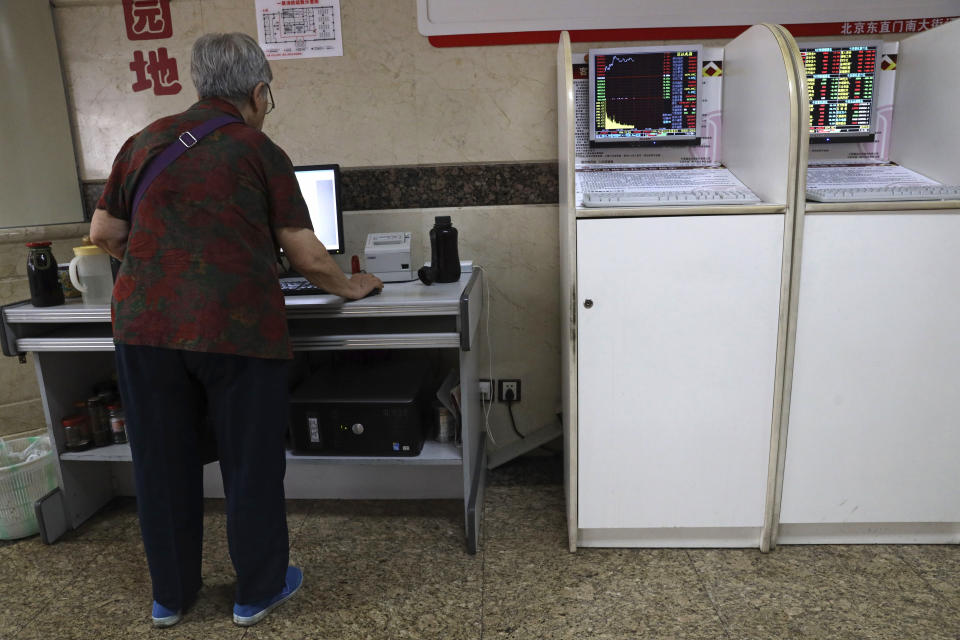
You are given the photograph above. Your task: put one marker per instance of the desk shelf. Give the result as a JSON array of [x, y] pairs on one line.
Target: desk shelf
[[95, 338], [433, 453]]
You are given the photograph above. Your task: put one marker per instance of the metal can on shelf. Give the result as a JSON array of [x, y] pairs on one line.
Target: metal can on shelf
[[76, 432], [118, 424], [445, 426], [99, 421]]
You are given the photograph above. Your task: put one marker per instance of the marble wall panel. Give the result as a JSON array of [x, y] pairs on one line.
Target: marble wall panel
[[22, 418], [516, 245], [358, 109], [19, 393], [96, 55], [524, 295], [18, 382], [478, 104], [427, 186], [391, 98]]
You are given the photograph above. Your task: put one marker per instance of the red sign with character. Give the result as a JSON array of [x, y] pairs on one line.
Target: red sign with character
[[147, 19], [162, 70], [150, 20]]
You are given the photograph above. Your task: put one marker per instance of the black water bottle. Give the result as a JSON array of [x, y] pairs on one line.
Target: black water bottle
[[444, 256], [43, 276]]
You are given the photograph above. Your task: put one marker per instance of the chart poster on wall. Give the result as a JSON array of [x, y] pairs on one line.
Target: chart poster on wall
[[299, 28]]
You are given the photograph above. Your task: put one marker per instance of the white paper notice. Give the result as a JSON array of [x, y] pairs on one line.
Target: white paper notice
[[627, 179], [868, 176], [299, 28]]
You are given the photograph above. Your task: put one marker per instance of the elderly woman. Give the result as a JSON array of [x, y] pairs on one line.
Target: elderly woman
[[200, 327]]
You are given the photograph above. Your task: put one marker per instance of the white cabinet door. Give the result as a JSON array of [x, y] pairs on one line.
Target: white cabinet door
[[874, 431], [676, 347]]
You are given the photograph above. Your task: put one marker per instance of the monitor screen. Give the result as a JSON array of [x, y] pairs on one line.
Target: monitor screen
[[841, 84], [644, 95], [320, 186]]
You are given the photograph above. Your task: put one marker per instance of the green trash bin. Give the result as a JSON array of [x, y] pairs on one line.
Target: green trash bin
[[27, 473]]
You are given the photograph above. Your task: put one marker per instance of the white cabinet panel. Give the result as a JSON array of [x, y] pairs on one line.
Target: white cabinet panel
[[677, 359], [875, 411]]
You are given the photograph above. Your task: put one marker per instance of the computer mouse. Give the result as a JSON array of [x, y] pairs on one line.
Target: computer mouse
[[373, 292]]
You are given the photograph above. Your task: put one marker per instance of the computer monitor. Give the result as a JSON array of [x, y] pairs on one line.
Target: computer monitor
[[320, 186], [841, 86], [644, 95]]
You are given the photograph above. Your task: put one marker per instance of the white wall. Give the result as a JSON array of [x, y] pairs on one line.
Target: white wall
[[391, 99]]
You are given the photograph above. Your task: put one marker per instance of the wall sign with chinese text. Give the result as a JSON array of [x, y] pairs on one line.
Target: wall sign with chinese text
[[150, 20], [147, 19], [451, 23]]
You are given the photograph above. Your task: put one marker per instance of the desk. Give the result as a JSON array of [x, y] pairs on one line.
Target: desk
[[73, 346]]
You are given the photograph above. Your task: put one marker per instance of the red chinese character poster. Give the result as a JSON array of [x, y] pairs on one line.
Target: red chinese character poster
[[147, 19]]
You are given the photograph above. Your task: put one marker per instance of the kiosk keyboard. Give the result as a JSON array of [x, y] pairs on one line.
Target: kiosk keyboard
[[690, 197], [884, 194]]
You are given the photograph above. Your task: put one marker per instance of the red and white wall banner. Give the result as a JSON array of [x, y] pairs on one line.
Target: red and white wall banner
[[150, 20]]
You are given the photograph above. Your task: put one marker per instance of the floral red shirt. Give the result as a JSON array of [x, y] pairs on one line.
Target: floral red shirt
[[200, 270]]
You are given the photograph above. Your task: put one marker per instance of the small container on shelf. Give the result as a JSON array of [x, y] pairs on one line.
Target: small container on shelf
[[444, 424], [99, 421], [76, 432], [118, 424]]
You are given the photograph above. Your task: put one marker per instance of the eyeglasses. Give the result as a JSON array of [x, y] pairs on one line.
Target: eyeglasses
[[271, 105]]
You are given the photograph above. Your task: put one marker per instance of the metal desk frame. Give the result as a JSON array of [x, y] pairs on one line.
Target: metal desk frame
[[73, 347]]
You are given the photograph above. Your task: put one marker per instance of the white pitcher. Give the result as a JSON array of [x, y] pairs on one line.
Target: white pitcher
[[90, 273]]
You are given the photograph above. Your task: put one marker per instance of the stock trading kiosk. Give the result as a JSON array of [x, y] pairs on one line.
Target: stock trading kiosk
[[872, 437], [673, 313]]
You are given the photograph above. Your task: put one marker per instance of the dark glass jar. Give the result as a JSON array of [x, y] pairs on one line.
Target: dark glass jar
[[76, 432], [43, 276]]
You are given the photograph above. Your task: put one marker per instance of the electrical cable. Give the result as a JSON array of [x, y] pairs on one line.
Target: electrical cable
[[513, 423], [489, 403]]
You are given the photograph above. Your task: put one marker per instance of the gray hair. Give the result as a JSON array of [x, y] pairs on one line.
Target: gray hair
[[228, 66]]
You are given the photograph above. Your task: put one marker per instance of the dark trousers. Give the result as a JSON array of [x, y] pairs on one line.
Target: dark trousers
[[168, 395]]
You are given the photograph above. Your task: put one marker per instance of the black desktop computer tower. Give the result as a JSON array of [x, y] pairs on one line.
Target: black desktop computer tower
[[374, 409]]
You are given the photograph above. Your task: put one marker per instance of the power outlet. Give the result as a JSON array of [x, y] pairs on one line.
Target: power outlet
[[511, 387], [486, 390]]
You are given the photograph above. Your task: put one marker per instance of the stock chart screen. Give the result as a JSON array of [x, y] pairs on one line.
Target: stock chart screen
[[840, 86], [644, 95]]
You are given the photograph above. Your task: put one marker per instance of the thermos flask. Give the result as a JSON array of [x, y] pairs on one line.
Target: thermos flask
[[43, 276], [444, 256]]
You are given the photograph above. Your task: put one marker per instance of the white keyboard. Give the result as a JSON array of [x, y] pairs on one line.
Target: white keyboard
[[884, 194], [668, 198]]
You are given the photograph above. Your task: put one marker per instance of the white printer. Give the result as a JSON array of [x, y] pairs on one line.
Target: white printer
[[388, 256]]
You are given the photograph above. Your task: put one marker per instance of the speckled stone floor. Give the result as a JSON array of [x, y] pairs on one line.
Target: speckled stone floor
[[398, 569]]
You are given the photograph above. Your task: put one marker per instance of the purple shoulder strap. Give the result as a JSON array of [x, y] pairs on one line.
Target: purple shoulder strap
[[186, 140]]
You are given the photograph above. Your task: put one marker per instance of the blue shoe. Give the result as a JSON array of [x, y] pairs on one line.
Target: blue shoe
[[250, 614], [163, 617]]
